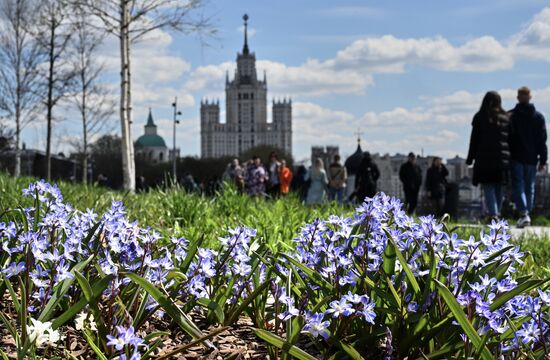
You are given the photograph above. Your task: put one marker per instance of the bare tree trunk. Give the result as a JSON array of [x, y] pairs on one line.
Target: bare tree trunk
[[17, 169], [127, 173], [49, 104], [84, 135], [130, 109]]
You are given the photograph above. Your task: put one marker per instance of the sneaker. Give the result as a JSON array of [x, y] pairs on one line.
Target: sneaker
[[524, 221]]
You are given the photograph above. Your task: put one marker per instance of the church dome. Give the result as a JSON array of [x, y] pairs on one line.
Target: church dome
[[353, 163], [150, 140]]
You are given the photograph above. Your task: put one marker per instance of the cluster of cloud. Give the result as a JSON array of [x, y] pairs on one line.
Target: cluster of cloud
[[440, 125], [351, 70]]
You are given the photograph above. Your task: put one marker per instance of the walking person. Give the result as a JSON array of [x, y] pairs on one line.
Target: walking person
[[256, 178], [317, 191], [366, 179], [527, 149], [299, 182], [338, 176], [410, 175], [285, 176], [274, 183], [490, 152], [436, 185]]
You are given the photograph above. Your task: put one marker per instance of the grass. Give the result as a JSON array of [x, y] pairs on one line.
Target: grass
[[176, 213]]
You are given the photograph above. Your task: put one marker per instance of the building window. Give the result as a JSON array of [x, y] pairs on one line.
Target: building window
[[252, 96], [160, 156], [245, 96]]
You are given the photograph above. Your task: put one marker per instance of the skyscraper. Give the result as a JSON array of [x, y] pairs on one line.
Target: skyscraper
[[246, 123]]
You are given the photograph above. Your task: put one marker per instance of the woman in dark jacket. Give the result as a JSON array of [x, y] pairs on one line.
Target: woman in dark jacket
[[489, 151], [436, 184]]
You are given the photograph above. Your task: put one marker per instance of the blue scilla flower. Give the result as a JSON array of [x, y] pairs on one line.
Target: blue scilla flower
[[125, 336], [315, 326], [340, 308], [529, 332], [14, 269]]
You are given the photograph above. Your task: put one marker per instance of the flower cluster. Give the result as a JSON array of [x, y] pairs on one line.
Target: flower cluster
[[345, 251], [346, 275], [41, 333], [126, 338]]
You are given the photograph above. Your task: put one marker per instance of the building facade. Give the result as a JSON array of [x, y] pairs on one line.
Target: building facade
[[326, 154], [246, 124]]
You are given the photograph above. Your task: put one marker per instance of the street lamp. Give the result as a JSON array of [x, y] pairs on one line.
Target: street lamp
[[176, 121]]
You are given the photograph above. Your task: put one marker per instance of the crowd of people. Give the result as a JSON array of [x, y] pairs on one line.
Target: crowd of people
[[506, 148]]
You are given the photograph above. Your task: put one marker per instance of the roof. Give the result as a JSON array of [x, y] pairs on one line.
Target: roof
[[150, 140], [150, 121], [353, 162]]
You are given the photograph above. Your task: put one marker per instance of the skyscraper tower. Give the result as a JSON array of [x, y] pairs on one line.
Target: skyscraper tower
[[246, 123]]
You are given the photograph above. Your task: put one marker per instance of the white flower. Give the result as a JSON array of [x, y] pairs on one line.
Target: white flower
[[85, 317], [41, 332]]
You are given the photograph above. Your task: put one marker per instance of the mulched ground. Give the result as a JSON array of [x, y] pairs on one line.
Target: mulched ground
[[237, 342]]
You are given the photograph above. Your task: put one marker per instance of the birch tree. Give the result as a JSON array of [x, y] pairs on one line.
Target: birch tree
[[130, 21], [53, 35], [19, 58], [90, 99]]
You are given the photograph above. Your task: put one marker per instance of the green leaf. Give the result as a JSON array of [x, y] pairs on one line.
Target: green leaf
[[70, 313], [389, 258], [4, 355], [352, 353], [235, 314], [94, 347], [406, 268], [312, 274], [13, 294], [167, 305], [461, 318], [520, 289], [61, 290], [282, 344], [193, 248], [214, 307], [85, 286], [394, 292]]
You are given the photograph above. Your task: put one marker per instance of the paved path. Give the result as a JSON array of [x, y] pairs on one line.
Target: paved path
[[538, 231]]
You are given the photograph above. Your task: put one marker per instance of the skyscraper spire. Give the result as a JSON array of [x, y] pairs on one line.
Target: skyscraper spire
[[245, 48]]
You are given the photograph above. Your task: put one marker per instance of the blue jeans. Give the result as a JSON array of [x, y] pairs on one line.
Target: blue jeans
[[493, 198], [336, 194], [523, 183]]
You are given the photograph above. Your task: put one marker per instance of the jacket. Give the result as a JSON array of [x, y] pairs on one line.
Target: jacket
[[337, 175], [411, 176], [436, 181], [489, 148], [528, 135]]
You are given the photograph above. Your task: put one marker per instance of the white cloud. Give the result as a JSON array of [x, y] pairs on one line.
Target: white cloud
[[440, 125], [388, 54], [533, 41], [351, 69]]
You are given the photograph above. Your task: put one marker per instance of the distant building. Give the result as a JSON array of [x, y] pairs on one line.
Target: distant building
[[150, 147], [326, 154], [246, 123]]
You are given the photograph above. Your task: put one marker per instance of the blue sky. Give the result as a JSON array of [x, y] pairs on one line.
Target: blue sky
[[410, 74]]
